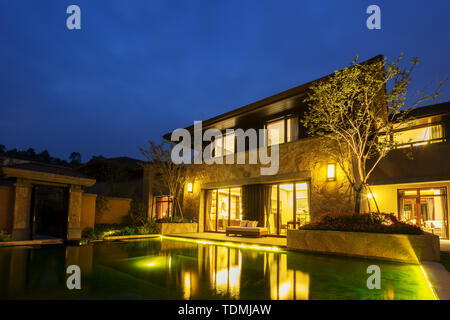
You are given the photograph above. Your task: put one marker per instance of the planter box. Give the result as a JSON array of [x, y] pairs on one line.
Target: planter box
[[395, 247], [174, 228]]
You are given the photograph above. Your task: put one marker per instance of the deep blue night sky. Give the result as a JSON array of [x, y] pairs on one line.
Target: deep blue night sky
[[139, 69]]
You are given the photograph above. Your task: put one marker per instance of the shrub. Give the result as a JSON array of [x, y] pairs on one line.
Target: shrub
[[138, 212], [363, 222], [4, 236], [101, 231]]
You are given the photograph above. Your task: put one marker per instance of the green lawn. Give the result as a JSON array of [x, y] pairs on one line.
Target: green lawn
[[445, 260]]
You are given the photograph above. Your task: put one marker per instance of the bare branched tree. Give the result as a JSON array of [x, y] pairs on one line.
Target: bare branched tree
[[358, 109], [169, 175]]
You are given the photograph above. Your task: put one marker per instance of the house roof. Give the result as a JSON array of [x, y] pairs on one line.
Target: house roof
[[48, 168], [47, 173], [273, 102], [431, 110]]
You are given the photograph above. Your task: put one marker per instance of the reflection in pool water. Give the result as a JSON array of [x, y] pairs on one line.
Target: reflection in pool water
[[170, 269]]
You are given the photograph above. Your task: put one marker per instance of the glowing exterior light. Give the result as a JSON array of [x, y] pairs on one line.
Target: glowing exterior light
[[151, 264], [190, 187], [429, 284], [226, 244], [331, 172]]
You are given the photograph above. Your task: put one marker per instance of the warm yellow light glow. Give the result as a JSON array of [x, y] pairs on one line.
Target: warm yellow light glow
[[331, 173], [429, 284], [187, 286], [190, 187], [284, 290], [301, 186], [226, 244], [370, 195], [151, 264], [287, 187]]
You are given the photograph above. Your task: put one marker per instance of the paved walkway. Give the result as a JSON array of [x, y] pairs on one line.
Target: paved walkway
[[266, 241]]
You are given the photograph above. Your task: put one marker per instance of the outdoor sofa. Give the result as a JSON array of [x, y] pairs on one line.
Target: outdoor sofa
[[247, 228]]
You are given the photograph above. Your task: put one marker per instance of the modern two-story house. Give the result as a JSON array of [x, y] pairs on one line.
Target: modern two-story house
[[308, 182]]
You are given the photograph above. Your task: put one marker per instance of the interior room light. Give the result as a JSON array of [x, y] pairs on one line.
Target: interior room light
[[190, 187], [331, 172]]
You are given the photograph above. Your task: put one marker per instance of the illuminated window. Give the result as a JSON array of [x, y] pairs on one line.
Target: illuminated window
[[164, 207], [275, 132], [228, 146], [331, 172], [418, 136], [281, 131], [426, 208], [223, 145]]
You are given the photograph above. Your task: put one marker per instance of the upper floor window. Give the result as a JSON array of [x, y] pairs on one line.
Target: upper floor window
[[418, 136], [224, 145], [282, 130]]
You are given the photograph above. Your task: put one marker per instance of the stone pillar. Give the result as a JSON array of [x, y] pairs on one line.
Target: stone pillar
[[22, 209], [74, 214]]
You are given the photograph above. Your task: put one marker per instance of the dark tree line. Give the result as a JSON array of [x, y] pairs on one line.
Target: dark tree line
[[43, 156]]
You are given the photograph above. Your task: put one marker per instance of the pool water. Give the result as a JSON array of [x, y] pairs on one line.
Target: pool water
[[172, 269]]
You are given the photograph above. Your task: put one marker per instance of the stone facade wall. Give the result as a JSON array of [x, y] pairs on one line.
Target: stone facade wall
[[302, 160]]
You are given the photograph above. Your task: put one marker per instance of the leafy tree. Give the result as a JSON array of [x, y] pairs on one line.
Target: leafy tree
[[30, 153], [75, 158], [2, 148], [172, 176], [356, 109], [44, 156]]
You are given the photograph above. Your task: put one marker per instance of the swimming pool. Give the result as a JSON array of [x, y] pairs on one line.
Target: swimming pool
[[161, 268]]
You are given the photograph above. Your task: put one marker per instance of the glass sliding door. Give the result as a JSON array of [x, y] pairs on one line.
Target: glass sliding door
[[211, 210], [271, 208], [286, 206], [286, 203], [223, 208], [426, 208], [235, 207], [302, 215]]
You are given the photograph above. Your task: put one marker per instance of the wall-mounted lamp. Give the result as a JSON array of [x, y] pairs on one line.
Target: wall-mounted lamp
[[190, 187], [331, 172]]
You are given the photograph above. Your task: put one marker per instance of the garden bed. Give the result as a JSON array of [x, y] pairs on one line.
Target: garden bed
[[394, 247], [368, 235], [174, 228]]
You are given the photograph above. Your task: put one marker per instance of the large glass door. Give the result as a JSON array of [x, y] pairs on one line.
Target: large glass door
[[426, 208], [223, 208], [211, 210], [286, 207], [271, 208]]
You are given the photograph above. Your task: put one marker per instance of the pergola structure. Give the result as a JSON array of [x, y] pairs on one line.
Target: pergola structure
[[27, 175]]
